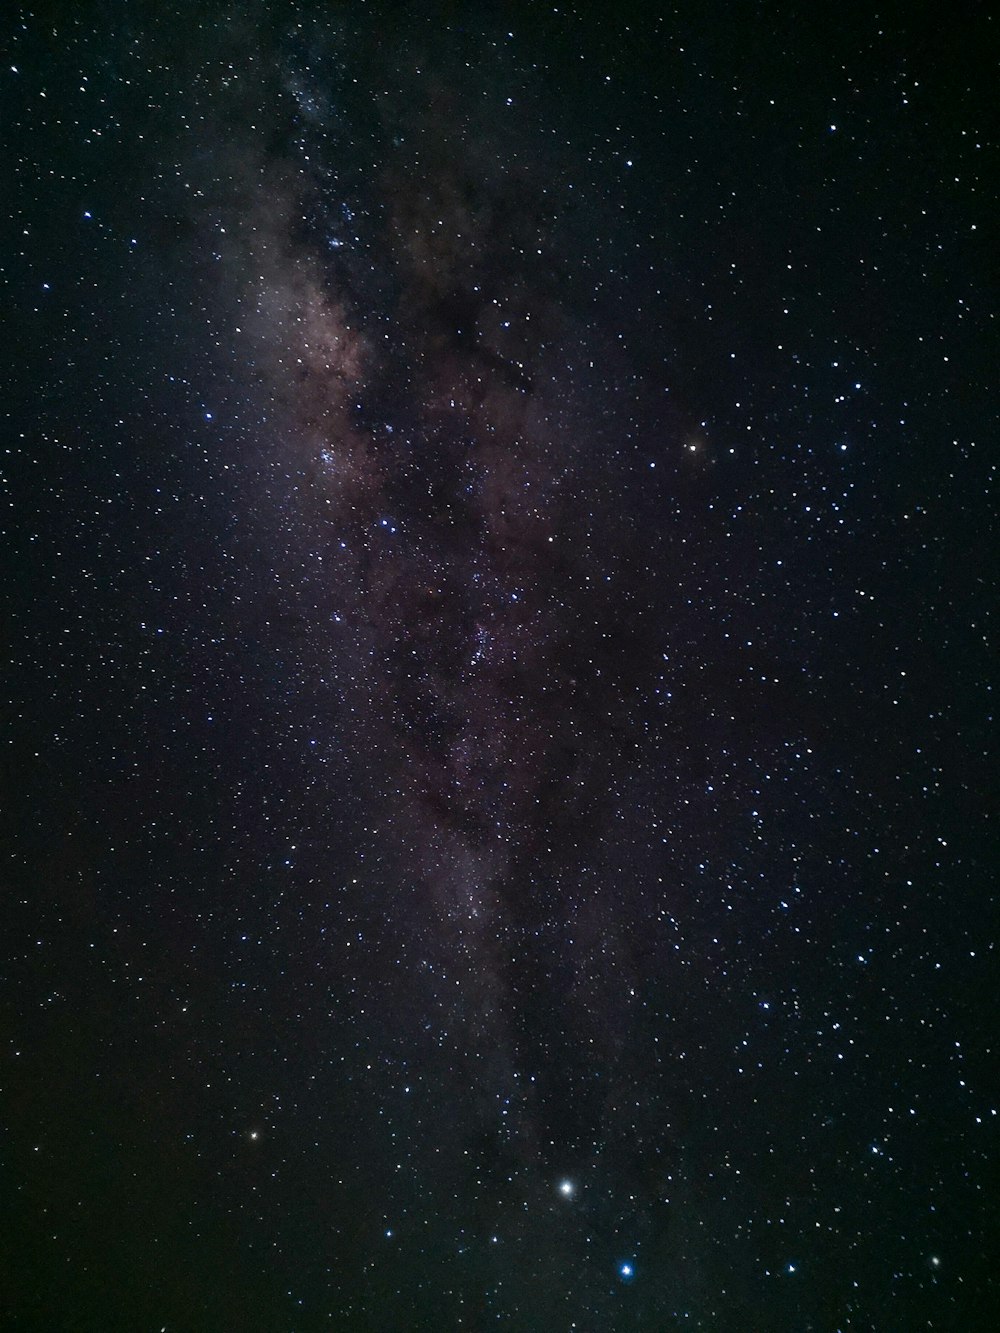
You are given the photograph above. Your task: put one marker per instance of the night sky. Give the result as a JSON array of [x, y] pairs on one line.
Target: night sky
[[497, 714]]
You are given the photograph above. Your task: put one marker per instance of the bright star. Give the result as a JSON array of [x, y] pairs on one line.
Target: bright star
[[567, 1189]]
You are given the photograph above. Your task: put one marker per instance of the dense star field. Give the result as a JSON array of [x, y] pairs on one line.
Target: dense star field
[[498, 724]]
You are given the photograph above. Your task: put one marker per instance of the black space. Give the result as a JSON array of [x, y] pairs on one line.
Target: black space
[[498, 821]]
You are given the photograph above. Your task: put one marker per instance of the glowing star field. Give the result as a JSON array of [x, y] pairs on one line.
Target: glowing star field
[[497, 724]]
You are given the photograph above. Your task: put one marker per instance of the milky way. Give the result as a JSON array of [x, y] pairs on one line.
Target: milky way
[[457, 402]]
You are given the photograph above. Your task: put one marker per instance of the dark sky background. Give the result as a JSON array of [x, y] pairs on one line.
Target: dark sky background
[[499, 554]]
